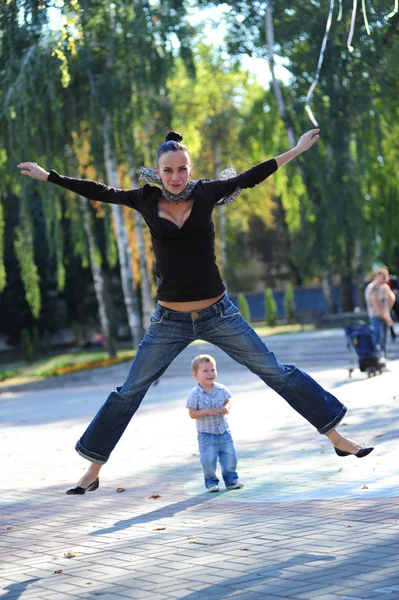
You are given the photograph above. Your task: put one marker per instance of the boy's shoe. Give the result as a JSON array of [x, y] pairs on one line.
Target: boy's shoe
[[213, 488], [235, 486]]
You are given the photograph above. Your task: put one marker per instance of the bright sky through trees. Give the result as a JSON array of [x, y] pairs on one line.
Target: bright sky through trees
[[214, 33]]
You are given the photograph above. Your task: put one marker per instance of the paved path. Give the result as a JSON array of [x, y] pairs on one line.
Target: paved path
[[307, 524], [311, 350]]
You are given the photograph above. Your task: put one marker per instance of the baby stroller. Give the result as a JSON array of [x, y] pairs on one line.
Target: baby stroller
[[360, 339]]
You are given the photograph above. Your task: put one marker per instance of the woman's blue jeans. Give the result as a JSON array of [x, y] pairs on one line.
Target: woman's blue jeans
[[220, 324], [213, 446]]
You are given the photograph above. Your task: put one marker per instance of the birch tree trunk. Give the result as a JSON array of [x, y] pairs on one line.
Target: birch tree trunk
[[269, 32], [147, 301], [98, 279], [124, 253]]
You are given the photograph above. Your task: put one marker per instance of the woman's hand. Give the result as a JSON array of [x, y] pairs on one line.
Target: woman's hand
[[33, 170], [307, 140]]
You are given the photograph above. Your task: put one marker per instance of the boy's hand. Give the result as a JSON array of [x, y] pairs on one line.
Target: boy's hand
[[225, 410], [213, 412]]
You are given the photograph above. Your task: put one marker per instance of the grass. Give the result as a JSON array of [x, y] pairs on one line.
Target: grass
[[60, 364], [71, 362], [266, 331]]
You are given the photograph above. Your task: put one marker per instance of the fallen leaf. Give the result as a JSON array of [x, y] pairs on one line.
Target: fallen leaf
[[159, 529], [154, 496], [379, 435], [70, 554], [244, 548], [365, 487], [340, 469], [58, 571], [234, 554], [120, 490], [194, 454]]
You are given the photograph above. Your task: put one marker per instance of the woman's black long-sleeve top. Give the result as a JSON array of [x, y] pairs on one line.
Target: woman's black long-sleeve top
[[185, 259]]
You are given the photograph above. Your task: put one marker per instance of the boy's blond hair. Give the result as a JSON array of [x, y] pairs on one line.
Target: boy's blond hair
[[201, 358]]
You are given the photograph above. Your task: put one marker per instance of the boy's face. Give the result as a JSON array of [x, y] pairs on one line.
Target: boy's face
[[206, 374]]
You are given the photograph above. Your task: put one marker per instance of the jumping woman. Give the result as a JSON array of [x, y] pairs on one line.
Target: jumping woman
[[192, 301]]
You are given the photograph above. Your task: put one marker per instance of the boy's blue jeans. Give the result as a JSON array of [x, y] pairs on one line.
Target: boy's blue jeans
[[213, 446], [220, 324]]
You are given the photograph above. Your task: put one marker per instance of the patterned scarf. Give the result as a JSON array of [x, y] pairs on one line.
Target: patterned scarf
[[150, 176]]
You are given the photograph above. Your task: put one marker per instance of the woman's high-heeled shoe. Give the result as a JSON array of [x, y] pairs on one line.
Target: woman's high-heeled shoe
[[79, 491], [362, 452]]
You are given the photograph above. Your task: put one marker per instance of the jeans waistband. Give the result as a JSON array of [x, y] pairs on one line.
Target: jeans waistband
[[177, 315]]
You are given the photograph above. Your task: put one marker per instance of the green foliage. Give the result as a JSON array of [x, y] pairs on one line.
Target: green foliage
[[36, 343], [243, 307], [289, 303], [24, 250], [8, 373], [78, 240], [2, 266], [26, 346], [77, 332], [270, 308], [45, 342], [111, 246]]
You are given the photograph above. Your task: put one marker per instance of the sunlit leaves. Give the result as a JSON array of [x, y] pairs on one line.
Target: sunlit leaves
[[24, 250]]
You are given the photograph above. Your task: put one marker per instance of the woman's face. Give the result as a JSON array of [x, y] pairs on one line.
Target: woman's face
[[174, 169]]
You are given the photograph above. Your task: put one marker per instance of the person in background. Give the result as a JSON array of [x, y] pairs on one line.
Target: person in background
[[379, 300]]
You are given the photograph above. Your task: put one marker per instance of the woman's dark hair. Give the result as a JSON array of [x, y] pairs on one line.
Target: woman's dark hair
[[172, 143]]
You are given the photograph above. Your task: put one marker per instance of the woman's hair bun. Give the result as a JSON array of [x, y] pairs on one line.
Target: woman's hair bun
[[173, 136]]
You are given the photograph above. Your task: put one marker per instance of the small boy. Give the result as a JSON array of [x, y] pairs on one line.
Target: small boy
[[208, 403]]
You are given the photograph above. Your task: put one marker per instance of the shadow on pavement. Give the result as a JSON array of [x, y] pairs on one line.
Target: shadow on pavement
[[160, 513], [15, 590]]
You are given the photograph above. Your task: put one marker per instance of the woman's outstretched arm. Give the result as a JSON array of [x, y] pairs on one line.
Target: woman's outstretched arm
[[305, 142], [92, 190], [219, 188]]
